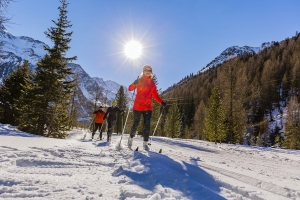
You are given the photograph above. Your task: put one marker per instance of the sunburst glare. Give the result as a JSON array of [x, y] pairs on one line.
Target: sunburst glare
[[133, 49]]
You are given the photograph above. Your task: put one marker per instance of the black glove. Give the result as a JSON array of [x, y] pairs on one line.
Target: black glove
[[136, 82], [122, 111], [163, 104]]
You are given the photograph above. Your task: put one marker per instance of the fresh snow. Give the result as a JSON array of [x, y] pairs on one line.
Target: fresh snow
[[35, 167]]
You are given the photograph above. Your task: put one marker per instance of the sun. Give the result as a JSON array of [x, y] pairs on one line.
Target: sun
[[133, 49]]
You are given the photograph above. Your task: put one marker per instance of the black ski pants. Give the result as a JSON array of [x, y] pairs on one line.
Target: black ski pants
[[136, 120], [110, 128], [97, 126]]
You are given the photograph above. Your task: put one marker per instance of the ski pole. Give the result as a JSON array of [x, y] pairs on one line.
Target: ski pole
[[127, 114], [156, 125]]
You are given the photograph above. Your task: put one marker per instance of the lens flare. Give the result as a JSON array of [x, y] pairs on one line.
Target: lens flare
[[133, 49]]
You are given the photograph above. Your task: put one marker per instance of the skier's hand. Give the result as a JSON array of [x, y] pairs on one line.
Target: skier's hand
[[163, 105], [136, 82]]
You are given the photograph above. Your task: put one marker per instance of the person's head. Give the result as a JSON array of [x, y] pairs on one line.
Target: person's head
[[100, 107], [114, 103], [147, 71]]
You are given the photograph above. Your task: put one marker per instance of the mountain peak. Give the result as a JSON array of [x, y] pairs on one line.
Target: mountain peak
[[232, 52]]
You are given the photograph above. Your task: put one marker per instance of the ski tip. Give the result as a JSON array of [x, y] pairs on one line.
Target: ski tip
[[160, 151], [137, 149]]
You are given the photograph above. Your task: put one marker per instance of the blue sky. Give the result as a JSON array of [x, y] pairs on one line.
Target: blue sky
[[178, 37]]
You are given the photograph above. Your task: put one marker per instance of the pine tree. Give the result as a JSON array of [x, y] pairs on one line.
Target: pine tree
[[190, 112], [10, 93], [187, 133], [73, 105], [274, 135], [234, 90], [263, 132], [121, 102], [292, 133], [25, 106], [199, 120], [173, 121], [278, 140], [51, 85], [155, 80], [259, 140], [215, 127]]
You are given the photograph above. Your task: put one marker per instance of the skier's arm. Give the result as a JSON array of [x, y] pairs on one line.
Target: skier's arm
[[108, 110], [104, 116], [131, 87], [120, 110], [134, 84], [155, 95]]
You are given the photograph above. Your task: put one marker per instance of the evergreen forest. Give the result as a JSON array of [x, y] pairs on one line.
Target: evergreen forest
[[241, 100]]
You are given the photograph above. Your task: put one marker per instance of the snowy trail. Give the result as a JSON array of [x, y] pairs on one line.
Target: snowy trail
[[44, 168], [223, 154]]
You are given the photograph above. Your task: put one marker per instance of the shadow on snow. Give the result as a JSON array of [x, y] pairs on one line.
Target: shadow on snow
[[190, 180]]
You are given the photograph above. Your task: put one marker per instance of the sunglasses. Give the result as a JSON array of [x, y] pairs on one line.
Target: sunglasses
[[147, 70]]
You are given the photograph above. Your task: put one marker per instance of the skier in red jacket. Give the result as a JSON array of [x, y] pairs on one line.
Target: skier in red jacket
[[98, 114], [145, 90]]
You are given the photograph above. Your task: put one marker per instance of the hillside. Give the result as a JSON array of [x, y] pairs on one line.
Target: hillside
[[255, 88]]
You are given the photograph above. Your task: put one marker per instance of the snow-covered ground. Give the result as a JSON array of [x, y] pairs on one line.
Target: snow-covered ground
[[34, 167]]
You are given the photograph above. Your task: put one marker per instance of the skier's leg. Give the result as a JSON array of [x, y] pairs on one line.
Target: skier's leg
[[136, 120], [109, 123], [147, 119], [112, 126], [94, 131], [100, 135]]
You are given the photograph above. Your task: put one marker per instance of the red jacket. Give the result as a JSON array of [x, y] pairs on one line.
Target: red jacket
[[99, 114], [145, 90]]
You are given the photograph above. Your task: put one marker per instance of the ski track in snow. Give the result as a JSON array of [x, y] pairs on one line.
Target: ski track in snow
[[186, 169], [224, 154]]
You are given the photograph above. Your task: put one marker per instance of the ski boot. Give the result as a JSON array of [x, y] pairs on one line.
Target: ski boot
[[129, 143], [146, 146], [108, 141]]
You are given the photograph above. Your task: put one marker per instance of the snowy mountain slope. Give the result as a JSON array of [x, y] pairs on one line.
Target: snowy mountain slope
[[15, 50], [110, 87], [44, 168], [233, 52]]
